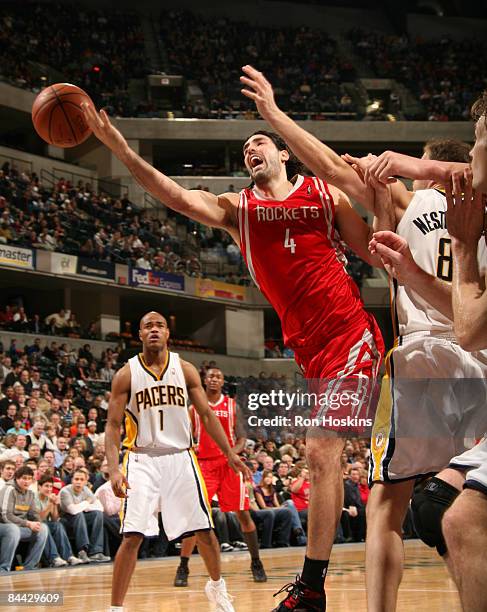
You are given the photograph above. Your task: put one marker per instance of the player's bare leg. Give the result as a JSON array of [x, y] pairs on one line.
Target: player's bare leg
[[182, 573], [323, 454], [384, 550], [215, 589], [465, 530], [124, 566], [249, 531]]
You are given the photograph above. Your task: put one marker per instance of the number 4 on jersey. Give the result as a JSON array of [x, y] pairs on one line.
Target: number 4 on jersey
[[289, 242]]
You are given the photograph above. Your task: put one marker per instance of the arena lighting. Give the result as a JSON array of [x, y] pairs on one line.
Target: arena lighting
[[96, 68]]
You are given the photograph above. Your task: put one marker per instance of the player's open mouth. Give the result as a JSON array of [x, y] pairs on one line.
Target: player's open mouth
[[255, 161]]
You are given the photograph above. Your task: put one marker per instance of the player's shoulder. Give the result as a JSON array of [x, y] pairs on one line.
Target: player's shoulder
[[122, 375]]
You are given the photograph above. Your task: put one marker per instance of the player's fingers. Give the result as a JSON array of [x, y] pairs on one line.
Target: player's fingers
[[449, 195], [467, 175], [387, 253], [252, 72], [249, 82], [250, 94], [383, 172], [457, 188]]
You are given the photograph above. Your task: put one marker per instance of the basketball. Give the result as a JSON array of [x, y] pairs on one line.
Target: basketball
[[57, 115]]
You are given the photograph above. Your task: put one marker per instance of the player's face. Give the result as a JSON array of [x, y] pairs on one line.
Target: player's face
[[479, 156], [214, 380], [262, 159], [154, 332]]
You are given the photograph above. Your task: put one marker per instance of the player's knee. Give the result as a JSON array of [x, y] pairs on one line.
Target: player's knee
[[321, 455], [132, 541], [428, 507]]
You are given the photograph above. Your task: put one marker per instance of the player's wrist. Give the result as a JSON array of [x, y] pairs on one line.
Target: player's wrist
[[464, 247]]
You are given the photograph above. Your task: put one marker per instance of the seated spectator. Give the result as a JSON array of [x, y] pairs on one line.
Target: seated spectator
[[8, 399], [67, 468], [7, 471], [20, 521], [82, 515], [267, 519], [18, 448], [8, 421], [58, 321], [17, 427], [299, 488], [111, 511], [57, 551], [36, 435], [353, 515]]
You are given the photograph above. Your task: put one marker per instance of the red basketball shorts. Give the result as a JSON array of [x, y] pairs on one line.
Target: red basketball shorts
[[222, 481]]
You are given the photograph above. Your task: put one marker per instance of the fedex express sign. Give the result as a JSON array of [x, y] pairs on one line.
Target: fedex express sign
[[161, 280]]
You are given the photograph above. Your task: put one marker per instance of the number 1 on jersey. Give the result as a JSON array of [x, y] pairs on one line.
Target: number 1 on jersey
[[289, 243], [161, 415]]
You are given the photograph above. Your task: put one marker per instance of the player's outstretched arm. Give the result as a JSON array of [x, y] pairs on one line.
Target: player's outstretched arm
[[390, 164], [204, 207], [116, 408], [465, 223], [399, 263], [318, 157], [208, 418]]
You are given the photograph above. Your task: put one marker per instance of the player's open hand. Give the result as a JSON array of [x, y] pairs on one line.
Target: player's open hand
[[103, 128], [119, 484], [259, 90], [465, 215], [238, 465], [395, 255]]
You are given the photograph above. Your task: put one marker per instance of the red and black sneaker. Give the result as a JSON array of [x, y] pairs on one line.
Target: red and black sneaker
[[301, 598]]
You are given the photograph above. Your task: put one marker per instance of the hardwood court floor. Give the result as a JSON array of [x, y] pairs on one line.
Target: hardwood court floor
[[426, 585]]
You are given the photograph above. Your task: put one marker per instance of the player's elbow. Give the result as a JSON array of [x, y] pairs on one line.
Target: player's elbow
[[470, 338]]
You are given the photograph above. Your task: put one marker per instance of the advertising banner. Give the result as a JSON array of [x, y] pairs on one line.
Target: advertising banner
[[17, 257], [149, 278], [206, 287]]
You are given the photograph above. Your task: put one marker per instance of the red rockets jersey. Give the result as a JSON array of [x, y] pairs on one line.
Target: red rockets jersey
[[226, 411], [295, 256]]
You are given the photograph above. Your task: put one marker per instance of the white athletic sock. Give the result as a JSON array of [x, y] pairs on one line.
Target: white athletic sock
[[116, 609], [217, 583]]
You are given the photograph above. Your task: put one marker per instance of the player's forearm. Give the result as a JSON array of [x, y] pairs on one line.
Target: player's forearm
[[214, 428], [112, 446], [424, 169], [469, 298], [239, 445], [319, 158], [436, 292], [155, 182]]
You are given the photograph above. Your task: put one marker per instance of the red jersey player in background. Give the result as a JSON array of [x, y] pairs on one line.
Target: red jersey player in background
[[290, 229], [229, 487]]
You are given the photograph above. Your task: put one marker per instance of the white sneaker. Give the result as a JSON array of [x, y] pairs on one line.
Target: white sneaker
[[72, 560], [218, 596], [58, 562], [225, 547]]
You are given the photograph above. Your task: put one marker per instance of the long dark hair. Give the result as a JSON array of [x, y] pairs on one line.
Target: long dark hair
[[293, 165]]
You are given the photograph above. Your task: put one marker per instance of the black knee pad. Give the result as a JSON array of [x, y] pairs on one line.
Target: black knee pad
[[428, 506]]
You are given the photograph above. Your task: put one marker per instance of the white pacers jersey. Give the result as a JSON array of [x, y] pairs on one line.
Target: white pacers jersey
[[424, 227], [156, 416]]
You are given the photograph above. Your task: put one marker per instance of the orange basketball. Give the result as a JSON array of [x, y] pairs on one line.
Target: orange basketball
[[57, 115]]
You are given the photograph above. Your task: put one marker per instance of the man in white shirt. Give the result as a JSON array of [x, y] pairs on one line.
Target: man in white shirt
[[82, 516], [7, 472]]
